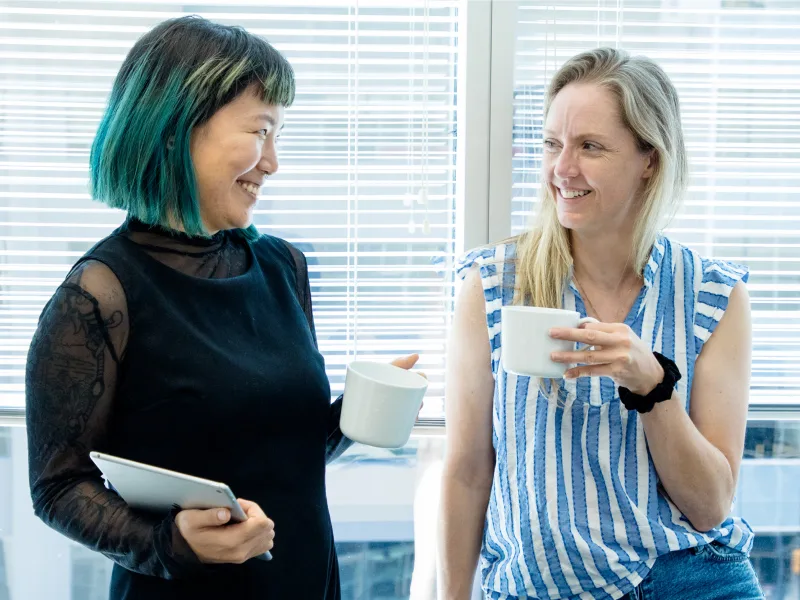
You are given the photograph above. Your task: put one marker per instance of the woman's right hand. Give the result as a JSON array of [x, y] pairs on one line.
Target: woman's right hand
[[214, 539]]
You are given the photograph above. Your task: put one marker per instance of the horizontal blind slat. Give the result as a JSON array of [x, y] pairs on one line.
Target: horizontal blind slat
[[373, 123], [737, 70]]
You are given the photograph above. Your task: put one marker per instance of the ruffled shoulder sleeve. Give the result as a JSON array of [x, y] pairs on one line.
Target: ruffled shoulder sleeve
[[719, 279], [495, 265]]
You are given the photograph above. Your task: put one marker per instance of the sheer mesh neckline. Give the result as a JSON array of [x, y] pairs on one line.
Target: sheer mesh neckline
[[170, 237], [72, 378], [220, 256]]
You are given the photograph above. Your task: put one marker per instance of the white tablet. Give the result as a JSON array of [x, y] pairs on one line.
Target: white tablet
[[155, 489]]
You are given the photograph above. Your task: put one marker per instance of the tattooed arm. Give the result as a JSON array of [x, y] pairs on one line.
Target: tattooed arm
[[70, 380]]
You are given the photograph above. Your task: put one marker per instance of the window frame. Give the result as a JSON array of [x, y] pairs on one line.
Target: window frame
[[472, 158], [484, 152], [504, 29]]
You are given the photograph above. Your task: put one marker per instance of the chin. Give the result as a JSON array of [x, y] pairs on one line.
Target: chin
[[570, 220], [241, 221], [243, 224]]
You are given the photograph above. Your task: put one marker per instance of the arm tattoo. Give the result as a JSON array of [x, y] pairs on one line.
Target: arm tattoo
[[66, 377]]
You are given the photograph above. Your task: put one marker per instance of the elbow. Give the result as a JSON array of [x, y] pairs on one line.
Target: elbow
[[42, 506], [471, 472], [709, 516], [712, 506], [706, 523], [45, 496], [44, 511]]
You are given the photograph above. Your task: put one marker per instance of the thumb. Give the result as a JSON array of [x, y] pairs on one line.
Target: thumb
[[199, 519], [213, 517], [406, 362]]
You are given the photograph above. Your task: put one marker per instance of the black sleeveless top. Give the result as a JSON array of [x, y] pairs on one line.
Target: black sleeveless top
[[215, 376]]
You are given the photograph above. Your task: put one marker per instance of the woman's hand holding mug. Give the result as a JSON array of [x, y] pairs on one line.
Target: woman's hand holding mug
[[616, 352]]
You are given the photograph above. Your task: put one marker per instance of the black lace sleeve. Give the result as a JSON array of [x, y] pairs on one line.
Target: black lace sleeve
[[337, 442], [70, 380]]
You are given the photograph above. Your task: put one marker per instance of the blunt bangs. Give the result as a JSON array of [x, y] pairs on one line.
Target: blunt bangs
[[173, 80]]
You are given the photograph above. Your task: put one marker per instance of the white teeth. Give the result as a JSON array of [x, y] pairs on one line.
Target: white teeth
[[574, 194], [249, 187]]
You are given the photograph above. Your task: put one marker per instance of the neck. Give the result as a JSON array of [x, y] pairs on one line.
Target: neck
[[605, 260], [176, 225]]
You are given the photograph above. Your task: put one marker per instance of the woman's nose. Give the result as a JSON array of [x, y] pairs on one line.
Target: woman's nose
[[269, 159], [566, 166]]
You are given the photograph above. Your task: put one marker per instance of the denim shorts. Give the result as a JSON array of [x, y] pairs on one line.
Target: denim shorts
[[708, 572]]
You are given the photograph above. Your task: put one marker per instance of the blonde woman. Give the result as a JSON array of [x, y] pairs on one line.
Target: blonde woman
[[617, 480]]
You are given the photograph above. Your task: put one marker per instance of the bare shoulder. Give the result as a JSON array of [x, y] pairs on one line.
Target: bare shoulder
[[734, 328], [470, 298]]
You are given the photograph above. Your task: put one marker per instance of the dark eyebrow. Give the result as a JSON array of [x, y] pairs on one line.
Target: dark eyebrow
[[580, 136], [268, 118]]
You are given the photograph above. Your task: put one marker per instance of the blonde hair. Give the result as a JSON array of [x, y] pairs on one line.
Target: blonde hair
[[649, 108]]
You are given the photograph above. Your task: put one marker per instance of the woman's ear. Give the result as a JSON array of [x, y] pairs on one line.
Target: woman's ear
[[651, 160]]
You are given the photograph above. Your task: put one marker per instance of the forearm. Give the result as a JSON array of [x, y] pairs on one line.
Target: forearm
[[88, 513], [463, 515], [695, 474]]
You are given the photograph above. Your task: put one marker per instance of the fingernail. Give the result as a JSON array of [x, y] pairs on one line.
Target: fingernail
[[554, 356], [552, 333], [222, 515]]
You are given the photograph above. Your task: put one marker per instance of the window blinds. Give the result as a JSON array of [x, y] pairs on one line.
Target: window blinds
[[367, 180], [736, 65]]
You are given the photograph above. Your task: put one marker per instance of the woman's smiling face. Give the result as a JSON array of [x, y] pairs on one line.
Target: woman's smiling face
[[591, 160], [233, 153]]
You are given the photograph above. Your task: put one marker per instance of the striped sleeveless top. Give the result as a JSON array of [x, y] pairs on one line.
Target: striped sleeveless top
[[576, 510]]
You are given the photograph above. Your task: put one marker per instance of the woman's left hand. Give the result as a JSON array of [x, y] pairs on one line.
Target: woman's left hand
[[407, 362], [617, 353]]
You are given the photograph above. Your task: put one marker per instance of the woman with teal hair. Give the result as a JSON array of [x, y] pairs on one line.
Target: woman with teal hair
[[185, 339]]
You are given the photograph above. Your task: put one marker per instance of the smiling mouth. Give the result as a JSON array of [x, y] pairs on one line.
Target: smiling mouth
[[570, 194], [250, 188]]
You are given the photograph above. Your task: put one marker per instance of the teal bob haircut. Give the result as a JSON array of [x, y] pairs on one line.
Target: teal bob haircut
[[174, 79]]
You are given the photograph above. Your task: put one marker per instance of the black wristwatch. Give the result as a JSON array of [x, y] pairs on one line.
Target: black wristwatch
[[663, 391]]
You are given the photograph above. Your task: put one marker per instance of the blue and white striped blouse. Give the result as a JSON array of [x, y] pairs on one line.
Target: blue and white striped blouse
[[575, 509]]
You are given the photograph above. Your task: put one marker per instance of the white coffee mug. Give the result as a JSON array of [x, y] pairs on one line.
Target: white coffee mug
[[381, 403], [526, 344]]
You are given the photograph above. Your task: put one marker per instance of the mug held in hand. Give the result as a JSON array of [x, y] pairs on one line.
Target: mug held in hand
[[380, 404], [526, 344]]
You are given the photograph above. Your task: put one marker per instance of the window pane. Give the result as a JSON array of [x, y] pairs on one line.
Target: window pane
[[367, 180], [768, 497], [374, 528], [385, 532], [736, 66]]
